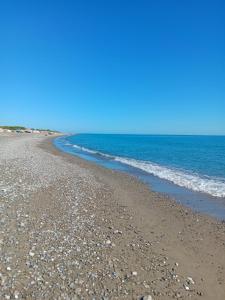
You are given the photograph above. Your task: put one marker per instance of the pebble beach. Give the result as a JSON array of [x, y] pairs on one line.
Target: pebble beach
[[70, 229]]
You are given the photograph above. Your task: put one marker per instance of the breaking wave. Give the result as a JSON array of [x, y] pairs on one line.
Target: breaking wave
[[93, 152], [213, 186]]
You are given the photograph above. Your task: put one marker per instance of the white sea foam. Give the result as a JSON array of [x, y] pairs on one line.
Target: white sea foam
[[212, 186], [93, 151], [194, 182], [85, 149]]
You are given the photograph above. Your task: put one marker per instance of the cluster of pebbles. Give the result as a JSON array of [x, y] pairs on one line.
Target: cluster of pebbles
[[61, 239]]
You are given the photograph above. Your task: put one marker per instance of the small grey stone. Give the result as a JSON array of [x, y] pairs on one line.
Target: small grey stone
[[72, 285]]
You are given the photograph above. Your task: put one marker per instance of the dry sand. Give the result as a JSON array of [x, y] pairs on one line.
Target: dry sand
[[70, 229]]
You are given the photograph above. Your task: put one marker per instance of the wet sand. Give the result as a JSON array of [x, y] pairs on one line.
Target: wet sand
[[74, 230]]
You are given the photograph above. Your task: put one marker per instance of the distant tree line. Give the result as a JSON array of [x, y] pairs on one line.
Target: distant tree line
[[44, 129], [24, 128], [13, 127]]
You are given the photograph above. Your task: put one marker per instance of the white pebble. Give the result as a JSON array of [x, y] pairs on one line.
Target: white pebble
[[147, 297], [190, 280]]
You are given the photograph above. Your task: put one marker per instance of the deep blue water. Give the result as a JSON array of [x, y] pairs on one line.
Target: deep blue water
[[186, 167]]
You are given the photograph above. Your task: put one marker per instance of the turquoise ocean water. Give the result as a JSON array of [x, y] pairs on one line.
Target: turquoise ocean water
[[185, 167]]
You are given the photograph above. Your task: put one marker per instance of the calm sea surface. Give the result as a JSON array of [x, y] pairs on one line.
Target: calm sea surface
[[189, 168]]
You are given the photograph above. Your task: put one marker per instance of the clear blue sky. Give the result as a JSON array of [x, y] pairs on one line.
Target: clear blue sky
[[113, 66]]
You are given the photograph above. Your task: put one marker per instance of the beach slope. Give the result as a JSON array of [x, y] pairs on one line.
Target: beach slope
[[70, 229]]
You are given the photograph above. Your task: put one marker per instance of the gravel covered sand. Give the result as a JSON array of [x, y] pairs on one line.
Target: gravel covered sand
[[72, 230]]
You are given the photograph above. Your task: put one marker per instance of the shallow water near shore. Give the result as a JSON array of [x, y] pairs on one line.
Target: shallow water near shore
[[197, 200]]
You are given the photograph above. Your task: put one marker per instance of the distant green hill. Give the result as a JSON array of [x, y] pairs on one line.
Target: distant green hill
[[13, 127], [24, 128]]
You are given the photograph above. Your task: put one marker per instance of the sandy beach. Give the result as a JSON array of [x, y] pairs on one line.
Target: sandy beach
[[70, 229]]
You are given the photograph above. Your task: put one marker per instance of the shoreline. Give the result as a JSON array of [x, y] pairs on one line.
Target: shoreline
[[137, 242], [198, 202], [162, 204]]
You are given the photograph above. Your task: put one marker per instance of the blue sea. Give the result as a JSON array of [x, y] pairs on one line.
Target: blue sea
[[191, 169]]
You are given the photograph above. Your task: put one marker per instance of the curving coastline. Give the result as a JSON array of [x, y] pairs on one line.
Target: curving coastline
[[212, 186], [73, 230]]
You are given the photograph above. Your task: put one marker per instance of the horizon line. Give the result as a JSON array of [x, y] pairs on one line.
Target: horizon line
[[167, 134]]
